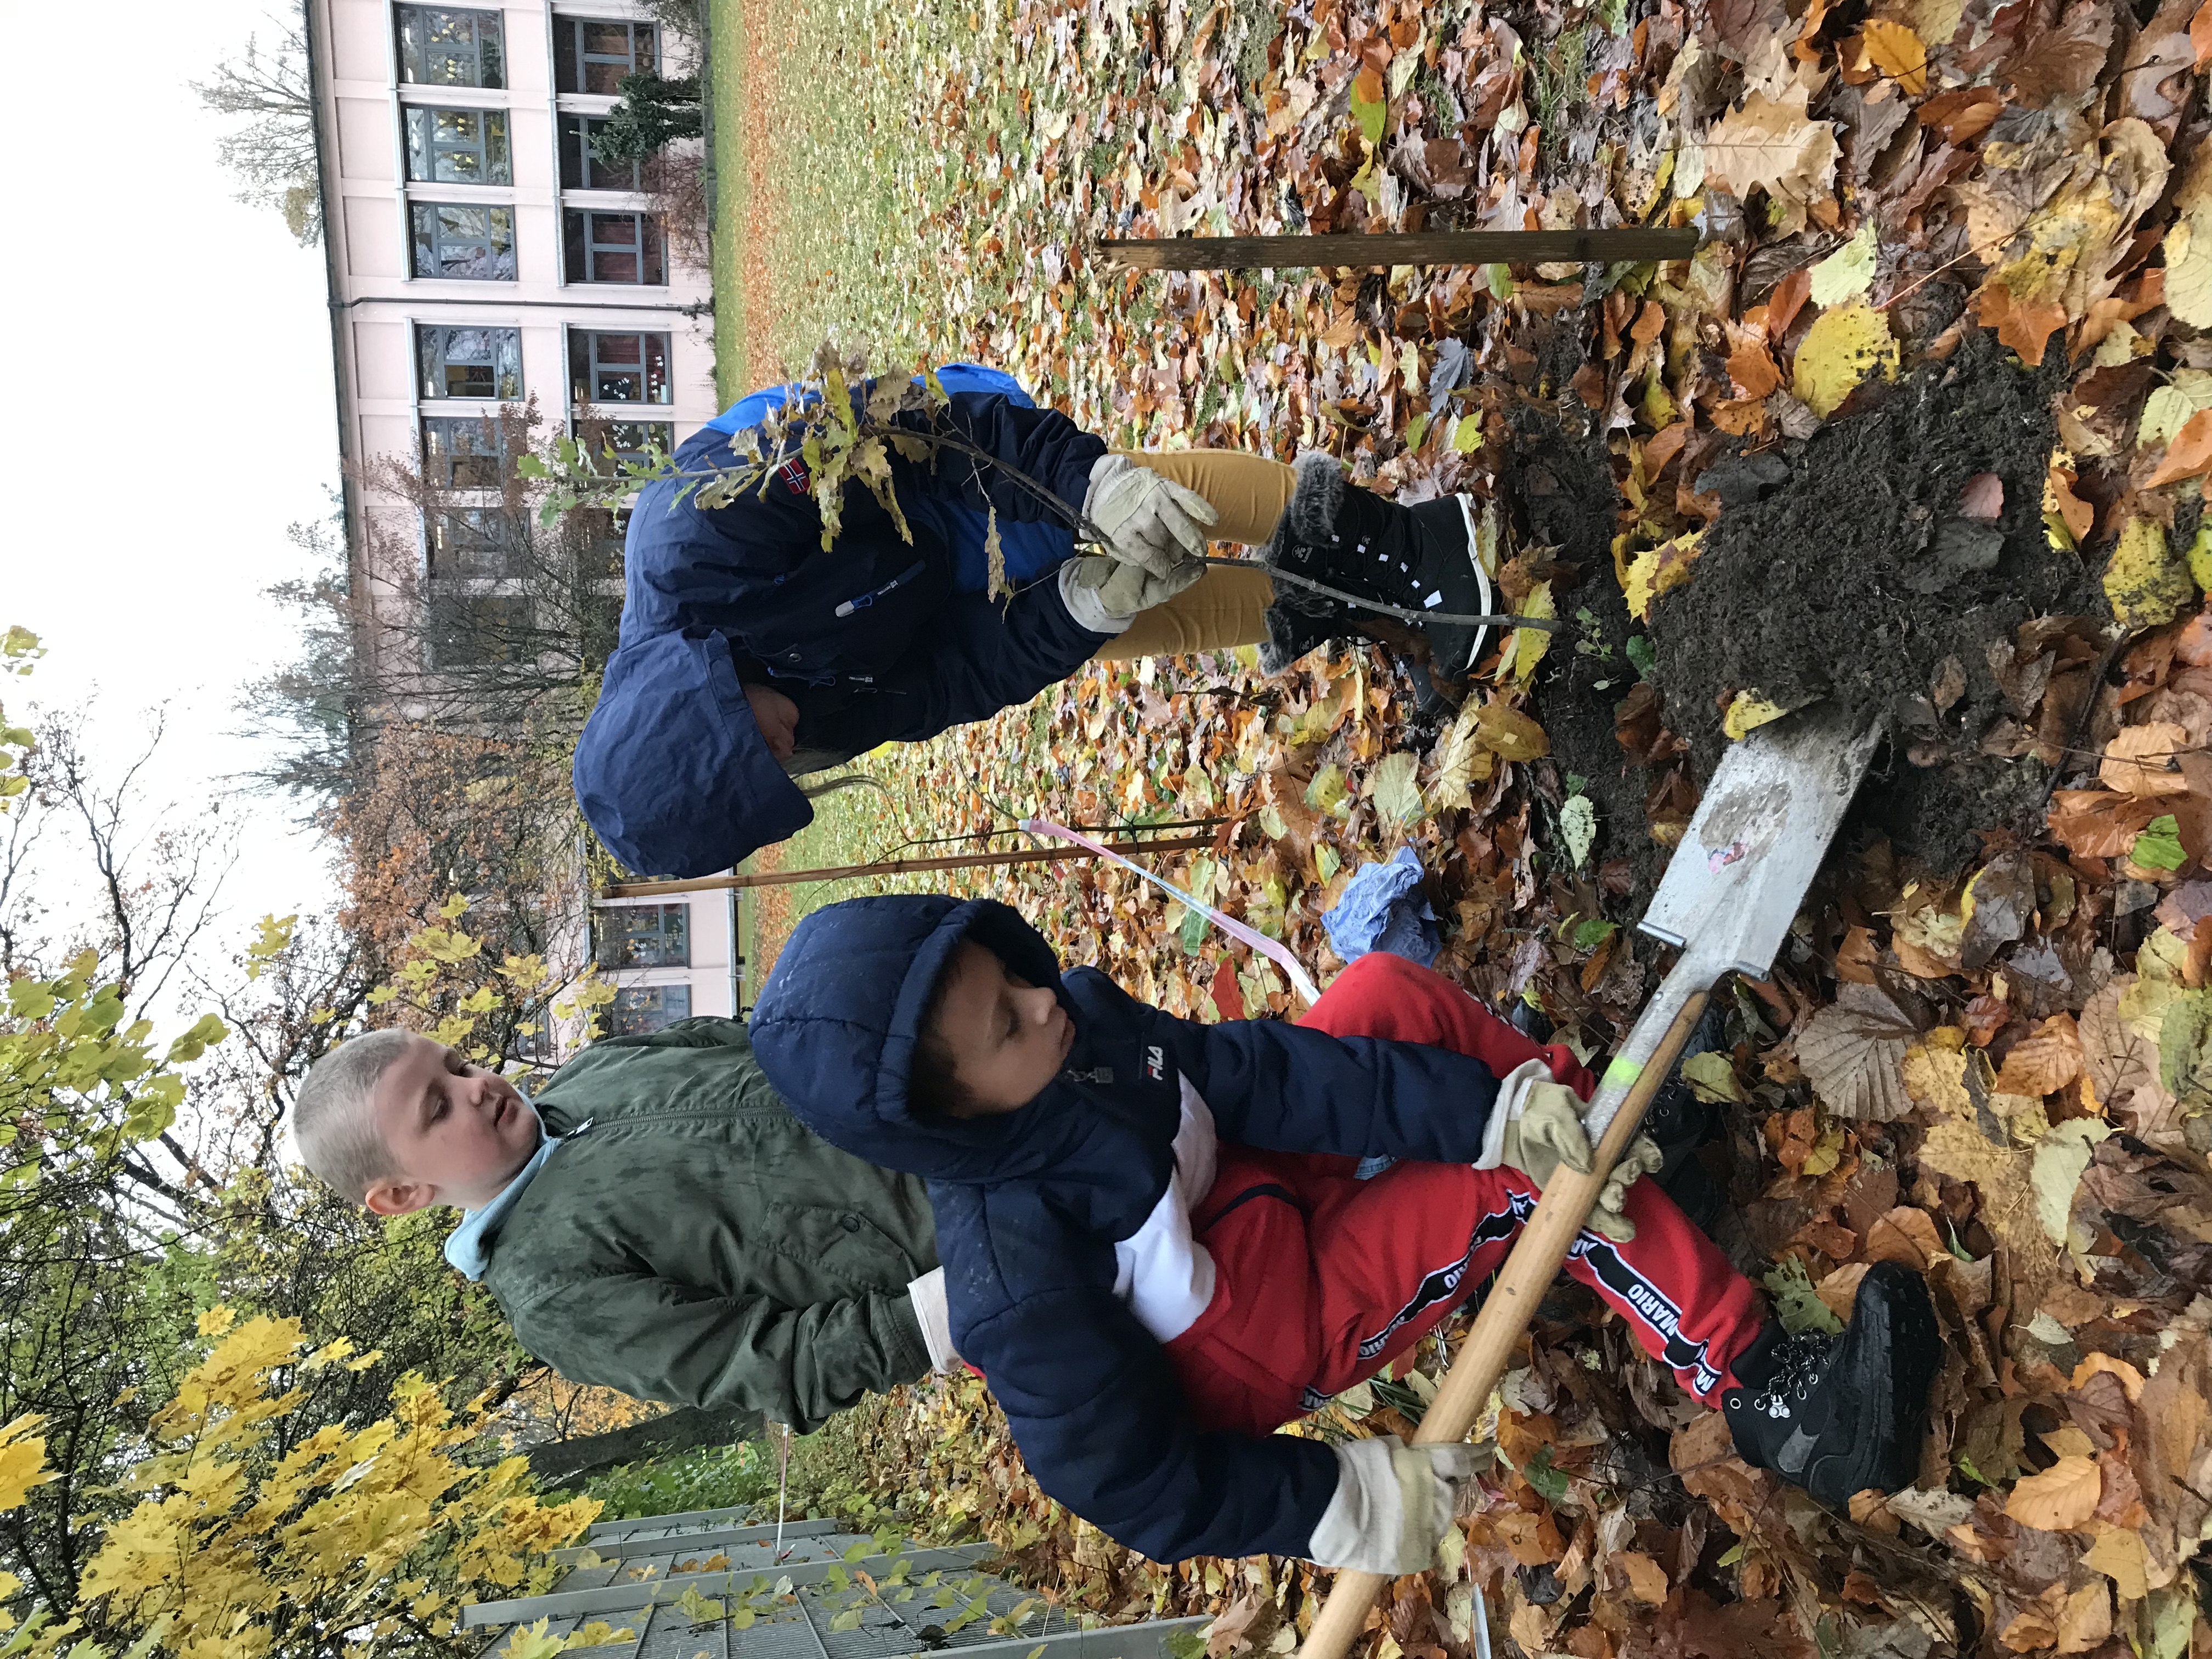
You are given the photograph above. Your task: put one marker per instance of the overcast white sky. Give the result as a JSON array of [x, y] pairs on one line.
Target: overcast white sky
[[185, 417]]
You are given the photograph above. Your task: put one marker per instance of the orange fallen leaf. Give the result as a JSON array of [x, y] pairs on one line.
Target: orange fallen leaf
[[2101, 822], [2080, 517], [2045, 1061], [1752, 368], [2188, 453], [1647, 1579], [1790, 294], [2026, 328], [2200, 34], [2060, 1499], [2137, 760]]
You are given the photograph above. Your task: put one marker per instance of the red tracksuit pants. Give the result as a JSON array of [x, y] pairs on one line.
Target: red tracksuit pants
[[1322, 1278]]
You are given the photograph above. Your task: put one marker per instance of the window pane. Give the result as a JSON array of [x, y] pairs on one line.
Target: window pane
[[644, 936], [639, 1009], [498, 168], [606, 40], [441, 46], [462, 452], [656, 369], [474, 541]]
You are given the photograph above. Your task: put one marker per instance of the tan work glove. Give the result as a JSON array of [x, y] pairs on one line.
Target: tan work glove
[[1392, 1505], [1538, 1127], [1105, 595], [1147, 519]]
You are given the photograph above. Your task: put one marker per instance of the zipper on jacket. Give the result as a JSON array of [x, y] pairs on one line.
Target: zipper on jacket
[[867, 600], [1101, 1074]]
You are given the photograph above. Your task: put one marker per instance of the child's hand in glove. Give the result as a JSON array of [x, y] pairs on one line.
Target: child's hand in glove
[[1147, 521], [1392, 1502], [1538, 1128], [1105, 595]]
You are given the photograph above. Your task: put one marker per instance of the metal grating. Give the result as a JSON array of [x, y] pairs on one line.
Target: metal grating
[[637, 1584]]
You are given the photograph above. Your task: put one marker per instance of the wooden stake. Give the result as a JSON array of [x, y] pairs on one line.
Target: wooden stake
[[1635, 243], [894, 867]]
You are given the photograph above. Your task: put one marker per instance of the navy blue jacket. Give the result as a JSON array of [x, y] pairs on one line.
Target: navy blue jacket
[[1030, 1204], [873, 639]]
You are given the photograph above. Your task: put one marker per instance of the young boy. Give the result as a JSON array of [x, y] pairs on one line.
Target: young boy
[[1157, 1250], [655, 1221]]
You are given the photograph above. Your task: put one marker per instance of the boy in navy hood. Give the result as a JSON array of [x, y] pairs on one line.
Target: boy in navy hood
[[1156, 1247]]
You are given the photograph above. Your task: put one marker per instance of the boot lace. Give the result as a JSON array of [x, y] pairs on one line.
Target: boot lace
[[1798, 1361]]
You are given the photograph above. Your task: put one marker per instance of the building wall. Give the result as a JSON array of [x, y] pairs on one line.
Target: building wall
[[702, 975], [379, 298], [366, 85]]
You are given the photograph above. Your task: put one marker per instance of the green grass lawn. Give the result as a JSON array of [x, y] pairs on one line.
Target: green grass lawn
[[726, 58]]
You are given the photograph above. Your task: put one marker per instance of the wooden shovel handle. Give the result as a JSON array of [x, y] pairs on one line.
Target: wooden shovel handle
[[1506, 1310]]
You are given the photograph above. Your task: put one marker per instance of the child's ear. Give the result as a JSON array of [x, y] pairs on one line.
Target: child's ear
[[400, 1197]]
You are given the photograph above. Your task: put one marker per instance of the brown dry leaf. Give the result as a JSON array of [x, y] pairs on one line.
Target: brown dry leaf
[[1852, 1050], [2101, 822], [2086, 1619], [2136, 760], [1982, 498], [1906, 1236], [1751, 366], [2036, 1625], [1647, 1579], [2045, 1061], [1773, 144], [2060, 1499]]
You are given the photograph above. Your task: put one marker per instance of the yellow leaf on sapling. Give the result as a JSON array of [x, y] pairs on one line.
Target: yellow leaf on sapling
[[1843, 347]]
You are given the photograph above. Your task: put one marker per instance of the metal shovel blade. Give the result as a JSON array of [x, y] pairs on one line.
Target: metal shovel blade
[[1736, 881]]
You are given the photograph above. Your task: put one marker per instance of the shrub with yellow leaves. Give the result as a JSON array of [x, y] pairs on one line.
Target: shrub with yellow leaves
[[246, 1539]]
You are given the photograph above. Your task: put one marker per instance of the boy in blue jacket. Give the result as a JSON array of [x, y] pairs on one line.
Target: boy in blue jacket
[[749, 655], [1157, 1249]]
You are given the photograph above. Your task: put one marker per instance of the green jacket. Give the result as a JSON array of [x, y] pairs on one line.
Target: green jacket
[[697, 1243]]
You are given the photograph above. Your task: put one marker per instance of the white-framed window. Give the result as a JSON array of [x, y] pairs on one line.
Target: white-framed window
[[479, 542], [617, 367], [458, 146], [469, 363], [592, 54], [580, 169], [463, 451], [642, 936], [614, 248], [639, 1009], [470, 242], [447, 47]]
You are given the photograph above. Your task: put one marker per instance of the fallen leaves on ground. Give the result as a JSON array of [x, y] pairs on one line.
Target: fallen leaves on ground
[[2000, 1075]]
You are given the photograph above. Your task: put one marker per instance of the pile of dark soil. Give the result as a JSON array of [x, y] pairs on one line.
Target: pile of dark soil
[[1859, 567]]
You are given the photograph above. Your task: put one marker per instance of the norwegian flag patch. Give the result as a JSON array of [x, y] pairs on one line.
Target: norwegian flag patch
[[793, 474]]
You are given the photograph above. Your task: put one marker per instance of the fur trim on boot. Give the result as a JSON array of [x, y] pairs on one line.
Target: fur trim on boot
[[1317, 498]]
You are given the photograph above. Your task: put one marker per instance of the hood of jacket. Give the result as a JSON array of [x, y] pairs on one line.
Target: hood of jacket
[[838, 1025], [671, 771]]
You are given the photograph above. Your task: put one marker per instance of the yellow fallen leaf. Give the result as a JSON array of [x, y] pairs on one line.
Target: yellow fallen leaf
[[1526, 645], [1897, 51], [2060, 1499], [1657, 569], [2118, 1554], [1748, 712], [2189, 246], [1843, 347], [2147, 580]]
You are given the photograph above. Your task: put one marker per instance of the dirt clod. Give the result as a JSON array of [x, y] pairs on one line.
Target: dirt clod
[[1857, 566]]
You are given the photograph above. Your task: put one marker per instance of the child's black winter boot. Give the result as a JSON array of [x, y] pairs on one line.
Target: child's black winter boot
[[1836, 1414], [1420, 558]]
